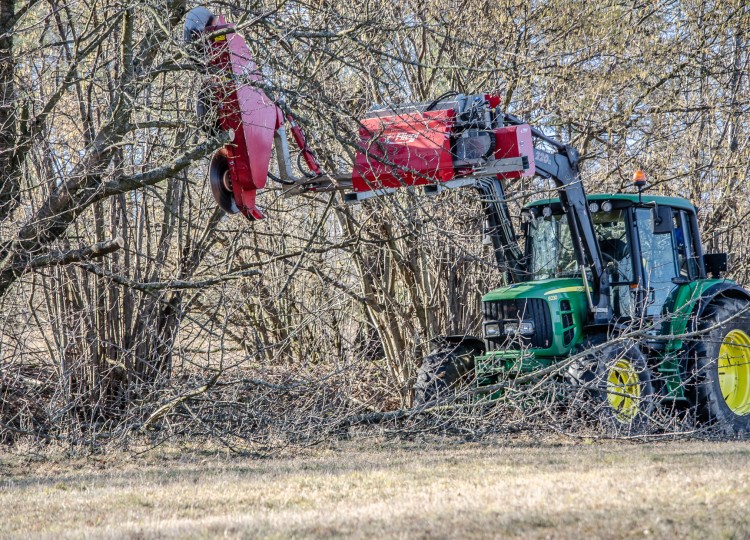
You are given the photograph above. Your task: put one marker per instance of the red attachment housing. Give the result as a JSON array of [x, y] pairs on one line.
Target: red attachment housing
[[407, 149], [514, 141], [415, 149], [247, 111]]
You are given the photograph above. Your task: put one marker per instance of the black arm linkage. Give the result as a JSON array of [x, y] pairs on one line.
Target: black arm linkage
[[504, 242], [562, 168]]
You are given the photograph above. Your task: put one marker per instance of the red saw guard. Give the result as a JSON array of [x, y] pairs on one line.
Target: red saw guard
[[247, 111]]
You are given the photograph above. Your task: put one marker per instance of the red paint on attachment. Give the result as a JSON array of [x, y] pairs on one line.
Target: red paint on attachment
[[247, 111], [307, 155], [404, 150], [515, 141], [493, 100]]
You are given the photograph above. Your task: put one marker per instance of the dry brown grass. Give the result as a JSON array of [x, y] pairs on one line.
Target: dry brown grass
[[602, 490]]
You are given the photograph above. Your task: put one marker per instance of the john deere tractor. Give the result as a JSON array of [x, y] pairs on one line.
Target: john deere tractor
[[615, 289]]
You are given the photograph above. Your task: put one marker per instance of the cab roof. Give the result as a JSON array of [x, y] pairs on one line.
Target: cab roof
[[676, 202]]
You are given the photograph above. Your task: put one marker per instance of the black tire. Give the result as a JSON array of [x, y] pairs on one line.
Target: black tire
[[616, 386], [721, 400], [448, 367]]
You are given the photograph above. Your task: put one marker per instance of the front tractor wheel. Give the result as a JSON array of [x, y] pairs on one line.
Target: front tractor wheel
[[617, 384], [721, 366], [447, 368]]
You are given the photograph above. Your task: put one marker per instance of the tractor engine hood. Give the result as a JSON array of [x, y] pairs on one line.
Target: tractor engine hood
[[542, 317], [536, 289]]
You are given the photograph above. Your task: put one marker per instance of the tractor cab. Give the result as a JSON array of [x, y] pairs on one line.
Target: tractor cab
[[650, 254], [649, 245]]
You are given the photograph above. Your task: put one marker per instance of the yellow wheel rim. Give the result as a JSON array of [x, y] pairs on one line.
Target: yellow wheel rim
[[734, 371], [623, 390]]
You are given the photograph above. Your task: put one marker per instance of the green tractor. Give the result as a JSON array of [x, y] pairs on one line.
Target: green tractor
[[616, 290]]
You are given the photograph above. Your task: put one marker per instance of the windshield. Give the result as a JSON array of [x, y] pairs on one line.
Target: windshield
[[550, 246]]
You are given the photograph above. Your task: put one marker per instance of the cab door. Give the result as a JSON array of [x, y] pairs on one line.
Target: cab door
[[659, 270]]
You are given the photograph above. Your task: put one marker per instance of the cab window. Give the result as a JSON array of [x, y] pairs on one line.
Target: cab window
[[658, 260], [612, 235], [687, 262]]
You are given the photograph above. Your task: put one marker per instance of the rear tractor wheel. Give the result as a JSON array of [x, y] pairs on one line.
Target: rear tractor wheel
[[721, 366]]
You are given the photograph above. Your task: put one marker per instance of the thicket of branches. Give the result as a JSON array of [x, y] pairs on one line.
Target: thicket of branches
[[130, 304]]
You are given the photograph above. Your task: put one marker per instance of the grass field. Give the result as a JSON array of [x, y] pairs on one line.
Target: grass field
[[402, 490]]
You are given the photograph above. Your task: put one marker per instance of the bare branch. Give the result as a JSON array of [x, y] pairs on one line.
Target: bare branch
[[76, 255]]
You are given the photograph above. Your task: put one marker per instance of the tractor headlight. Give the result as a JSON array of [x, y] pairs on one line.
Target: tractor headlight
[[524, 328], [491, 330]]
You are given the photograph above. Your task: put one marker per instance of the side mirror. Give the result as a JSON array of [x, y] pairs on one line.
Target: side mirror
[[662, 219], [715, 263]]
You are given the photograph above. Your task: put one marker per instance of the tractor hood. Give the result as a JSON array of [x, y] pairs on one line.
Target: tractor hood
[[557, 308], [547, 289]]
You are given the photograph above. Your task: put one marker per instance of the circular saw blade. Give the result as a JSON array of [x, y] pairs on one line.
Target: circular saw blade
[[221, 183]]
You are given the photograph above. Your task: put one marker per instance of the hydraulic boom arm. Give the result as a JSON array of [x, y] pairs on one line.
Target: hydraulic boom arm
[[562, 168]]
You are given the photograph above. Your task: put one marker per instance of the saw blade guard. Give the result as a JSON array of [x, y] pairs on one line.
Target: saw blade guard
[[242, 108], [220, 178]]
